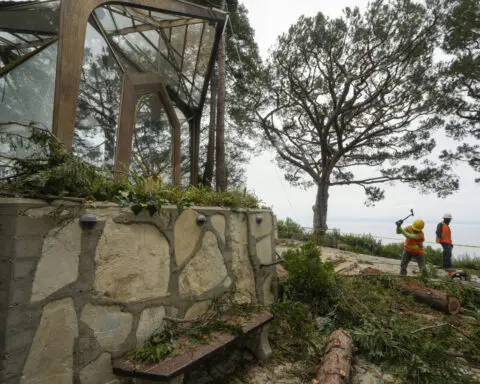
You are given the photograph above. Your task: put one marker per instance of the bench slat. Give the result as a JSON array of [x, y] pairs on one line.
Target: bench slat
[[193, 354]]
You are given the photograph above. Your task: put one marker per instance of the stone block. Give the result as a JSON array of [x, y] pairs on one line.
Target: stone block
[[218, 223], [20, 291], [268, 296], [12, 366], [6, 248], [132, 262], [50, 359], [24, 268], [264, 250], [27, 227], [22, 317], [99, 372], [28, 247], [265, 227], [151, 321], [198, 309], [259, 344], [206, 270], [187, 234], [58, 265], [18, 340], [241, 265], [7, 226], [109, 324]]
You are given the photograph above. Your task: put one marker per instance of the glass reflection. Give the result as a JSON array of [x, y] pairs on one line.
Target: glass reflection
[[98, 104]]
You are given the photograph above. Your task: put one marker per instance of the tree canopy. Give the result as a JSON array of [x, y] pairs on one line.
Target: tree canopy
[[458, 93], [349, 92]]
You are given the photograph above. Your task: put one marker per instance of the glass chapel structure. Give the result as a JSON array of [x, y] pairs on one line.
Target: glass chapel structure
[[121, 83]]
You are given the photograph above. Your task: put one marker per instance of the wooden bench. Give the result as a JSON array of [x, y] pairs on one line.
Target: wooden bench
[[172, 368]]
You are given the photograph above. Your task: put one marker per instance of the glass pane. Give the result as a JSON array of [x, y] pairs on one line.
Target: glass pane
[[38, 17], [26, 97], [185, 149], [98, 104], [106, 20], [122, 21], [152, 142]]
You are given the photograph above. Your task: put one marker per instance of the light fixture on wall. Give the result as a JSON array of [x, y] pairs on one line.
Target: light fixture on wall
[[259, 219], [201, 220], [88, 221]]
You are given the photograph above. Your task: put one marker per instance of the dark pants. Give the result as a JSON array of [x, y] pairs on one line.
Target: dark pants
[[406, 257], [447, 255]]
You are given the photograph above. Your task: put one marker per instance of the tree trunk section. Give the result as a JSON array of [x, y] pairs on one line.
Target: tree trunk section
[[320, 209], [337, 359], [450, 304], [210, 163], [221, 174]]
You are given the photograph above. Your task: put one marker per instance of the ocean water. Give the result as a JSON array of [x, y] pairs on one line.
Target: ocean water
[[462, 233]]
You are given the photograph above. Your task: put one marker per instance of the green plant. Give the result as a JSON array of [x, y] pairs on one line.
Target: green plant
[[202, 334], [309, 279], [53, 171], [156, 348]]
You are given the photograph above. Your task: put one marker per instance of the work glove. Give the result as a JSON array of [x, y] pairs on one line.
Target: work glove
[[399, 223]]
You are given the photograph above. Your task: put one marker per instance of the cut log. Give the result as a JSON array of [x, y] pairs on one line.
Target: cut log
[[337, 360], [450, 304]]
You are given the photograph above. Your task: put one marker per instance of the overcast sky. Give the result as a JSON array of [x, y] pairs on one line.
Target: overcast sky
[[270, 18]]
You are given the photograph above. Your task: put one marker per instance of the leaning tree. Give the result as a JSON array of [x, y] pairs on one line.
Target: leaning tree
[[342, 94]]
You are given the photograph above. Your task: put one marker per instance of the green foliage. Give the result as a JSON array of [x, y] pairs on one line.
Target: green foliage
[[203, 333], [288, 228], [309, 279], [467, 262], [380, 319], [156, 348], [389, 337], [458, 91], [336, 94], [53, 170], [293, 332]]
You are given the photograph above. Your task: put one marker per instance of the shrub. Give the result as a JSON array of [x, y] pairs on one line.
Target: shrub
[[288, 228], [309, 279]]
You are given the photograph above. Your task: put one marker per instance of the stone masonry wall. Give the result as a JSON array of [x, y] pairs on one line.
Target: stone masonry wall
[[71, 298]]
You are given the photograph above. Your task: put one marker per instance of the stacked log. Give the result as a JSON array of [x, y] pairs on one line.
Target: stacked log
[[337, 360], [447, 303]]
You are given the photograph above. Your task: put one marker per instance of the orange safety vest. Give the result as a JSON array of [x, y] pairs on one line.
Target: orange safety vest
[[415, 247], [446, 235]]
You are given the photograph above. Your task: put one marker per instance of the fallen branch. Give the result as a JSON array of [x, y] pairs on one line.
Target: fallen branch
[[430, 327], [337, 359], [439, 300]]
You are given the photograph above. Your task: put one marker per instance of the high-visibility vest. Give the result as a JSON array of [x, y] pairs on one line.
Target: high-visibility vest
[[446, 235], [415, 247]]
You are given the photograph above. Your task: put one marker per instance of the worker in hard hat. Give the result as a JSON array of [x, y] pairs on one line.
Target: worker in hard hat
[[413, 246], [444, 238]]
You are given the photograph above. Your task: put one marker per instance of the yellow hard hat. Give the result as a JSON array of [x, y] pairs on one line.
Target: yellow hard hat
[[418, 225]]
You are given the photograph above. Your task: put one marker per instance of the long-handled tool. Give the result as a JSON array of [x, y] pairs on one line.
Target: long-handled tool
[[400, 222]]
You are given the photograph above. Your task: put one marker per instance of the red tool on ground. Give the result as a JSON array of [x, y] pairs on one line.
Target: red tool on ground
[[458, 275]]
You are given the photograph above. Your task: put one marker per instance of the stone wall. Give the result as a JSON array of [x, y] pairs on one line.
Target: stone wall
[[71, 297]]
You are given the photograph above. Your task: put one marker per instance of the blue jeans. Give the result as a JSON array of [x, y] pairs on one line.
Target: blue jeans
[[447, 255]]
